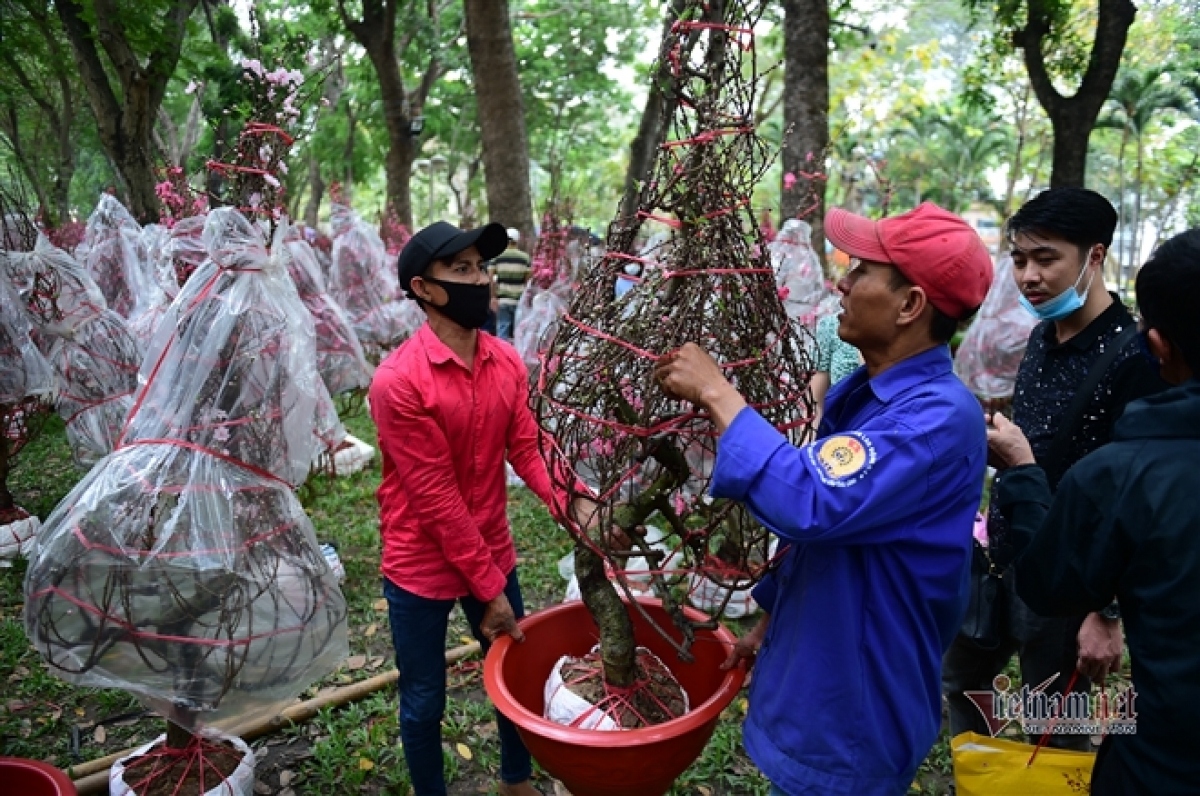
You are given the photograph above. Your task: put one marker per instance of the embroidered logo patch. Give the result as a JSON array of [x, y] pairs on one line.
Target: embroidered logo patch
[[843, 460]]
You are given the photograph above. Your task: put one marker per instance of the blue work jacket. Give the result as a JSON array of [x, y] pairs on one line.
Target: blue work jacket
[[846, 695]]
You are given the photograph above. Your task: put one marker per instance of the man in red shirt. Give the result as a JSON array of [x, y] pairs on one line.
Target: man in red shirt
[[451, 404]]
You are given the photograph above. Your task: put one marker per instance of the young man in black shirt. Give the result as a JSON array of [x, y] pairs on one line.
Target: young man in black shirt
[[1058, 243], [1123, 523]]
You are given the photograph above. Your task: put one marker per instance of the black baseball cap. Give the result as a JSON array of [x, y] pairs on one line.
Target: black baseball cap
[[440, 240]]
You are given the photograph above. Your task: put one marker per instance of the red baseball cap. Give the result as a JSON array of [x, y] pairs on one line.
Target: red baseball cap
[[936, 250]]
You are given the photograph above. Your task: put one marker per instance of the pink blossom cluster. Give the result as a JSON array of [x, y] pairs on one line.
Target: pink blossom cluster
[[176, 199], [67, 236], [393, 232], [277, 83]]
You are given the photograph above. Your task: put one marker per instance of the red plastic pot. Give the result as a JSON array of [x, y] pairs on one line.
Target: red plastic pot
[[33, 778], [641, 762]]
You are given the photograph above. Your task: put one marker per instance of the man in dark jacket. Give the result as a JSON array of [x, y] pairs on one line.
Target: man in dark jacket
[[1125, 523]]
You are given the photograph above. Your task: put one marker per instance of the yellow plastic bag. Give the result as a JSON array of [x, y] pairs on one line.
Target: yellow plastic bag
[[986, 766]]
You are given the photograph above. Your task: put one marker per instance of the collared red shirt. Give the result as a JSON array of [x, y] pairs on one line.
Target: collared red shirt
[[444, 434], [846, 696]]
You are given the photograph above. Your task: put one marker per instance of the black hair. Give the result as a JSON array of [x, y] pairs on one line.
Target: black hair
[[1167, 287], [1077, 215], [942, 327]]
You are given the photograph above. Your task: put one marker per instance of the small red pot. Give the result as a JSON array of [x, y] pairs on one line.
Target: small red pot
[[641, 762], [34, 778]]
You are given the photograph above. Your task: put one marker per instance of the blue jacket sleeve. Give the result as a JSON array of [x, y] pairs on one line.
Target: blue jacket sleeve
[[848, 488]]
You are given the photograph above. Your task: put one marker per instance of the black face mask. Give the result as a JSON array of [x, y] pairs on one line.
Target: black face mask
[[468, 305]]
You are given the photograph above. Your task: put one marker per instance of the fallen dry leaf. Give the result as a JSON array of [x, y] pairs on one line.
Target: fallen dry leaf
[[371, 630], [262, 788], [380, 605], [100, 734], [286, 777], [374, 663], [464, 751], [356, 662], [704, 791], [364, 764]]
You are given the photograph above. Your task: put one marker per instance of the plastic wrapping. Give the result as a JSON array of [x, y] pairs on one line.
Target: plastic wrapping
[[182, 568], [59, 294], [24, 372], [239, 783], [114, 256], [96, 369], [536, 327], [162, 290], [798, 272], [91, 353], [991, 350], [182, 254], [363, 281], [340, 359]]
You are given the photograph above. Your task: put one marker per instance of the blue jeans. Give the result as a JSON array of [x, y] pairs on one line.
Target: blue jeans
[[419, 636], [504, 321]]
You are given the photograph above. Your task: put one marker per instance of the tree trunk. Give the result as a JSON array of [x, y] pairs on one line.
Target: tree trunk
[[1122, 219], [125, 125], [617, 646], [1014, 169], [1135, 240], [806, 113], [316, 184], [501, 114], [1073, 118], [649, 133], [376, 32], [348, 154]]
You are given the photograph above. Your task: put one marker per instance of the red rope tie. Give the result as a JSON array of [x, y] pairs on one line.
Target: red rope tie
[[703, 271], [89, 404], [708, 136], [179, 443], [132, 631], [670, 222], [744, 37]]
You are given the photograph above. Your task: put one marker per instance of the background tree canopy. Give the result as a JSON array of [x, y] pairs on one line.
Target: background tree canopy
[[964, 102]]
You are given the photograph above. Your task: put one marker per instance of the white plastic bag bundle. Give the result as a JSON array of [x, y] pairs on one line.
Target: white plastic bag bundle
[[363, 281], [116, 259], [535, 328], [340, 359], [638, 573], [991, 350], [565, 707], [239, 783], [709, 594], [182, 568], [798, 272]]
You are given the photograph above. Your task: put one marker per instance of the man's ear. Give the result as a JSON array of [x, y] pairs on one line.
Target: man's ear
[[915, 302], [422, 290], [1097, 254]]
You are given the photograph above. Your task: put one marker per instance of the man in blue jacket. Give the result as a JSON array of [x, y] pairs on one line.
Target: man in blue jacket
[[878, 512]]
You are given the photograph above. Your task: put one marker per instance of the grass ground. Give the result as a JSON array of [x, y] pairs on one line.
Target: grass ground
[[354, 749]]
